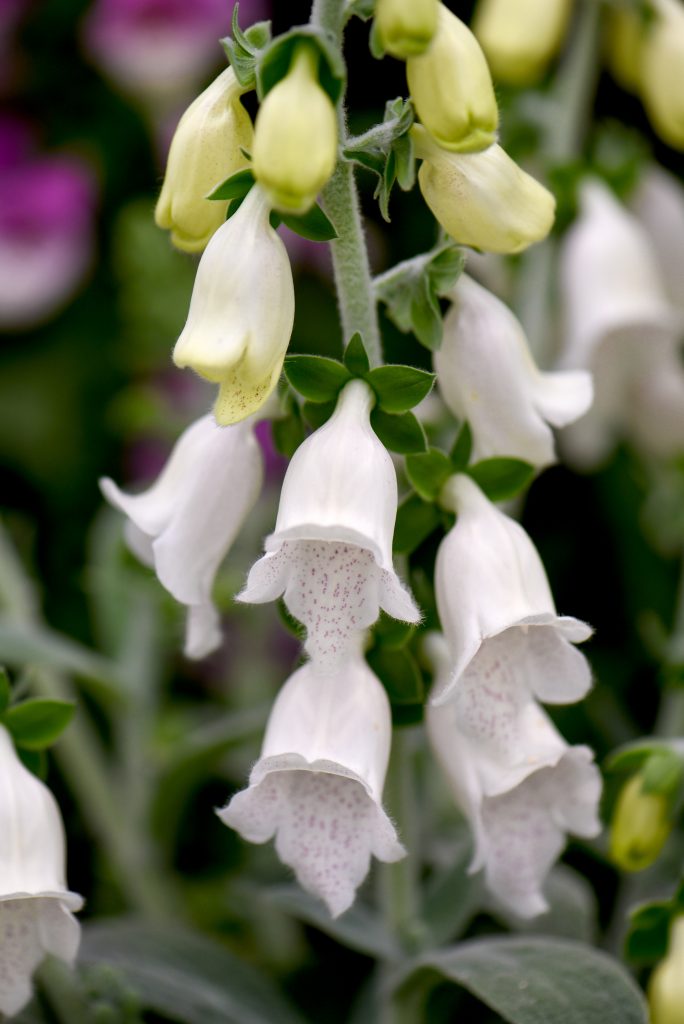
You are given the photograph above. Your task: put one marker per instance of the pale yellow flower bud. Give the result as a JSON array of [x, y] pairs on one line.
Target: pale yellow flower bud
[[662, 71], [452, 88], [520, 37], [483, 199], [624, 37], [666, 987], [641, 824], [295, 138], [205, 150], [405, 27]]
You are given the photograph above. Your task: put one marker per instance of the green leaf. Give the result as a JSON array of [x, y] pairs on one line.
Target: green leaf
[[462, 448], [399, 388], [361, 8], [36, 724], [243, 50], [184, 976], [391, 633], [662, 773], [317, 413], [428, 472], [452, 896], [288, 433], [411, 291], [277, 57], [629, 757], [35, 761], [314, 224], [649, 931], [399, 674], [541, 981], [5, 690], [501, 479], [318, 378], [416, 520], [355, 356], [387, 150], [235, 186], [400, 433]]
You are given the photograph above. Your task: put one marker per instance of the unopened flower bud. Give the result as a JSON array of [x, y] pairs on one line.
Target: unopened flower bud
[[406, 27], [483, 199], [520, 37], [666, 988], [624, 37], [641, 824], [452, 88], [295, 139], [205, 150], [662, 72]]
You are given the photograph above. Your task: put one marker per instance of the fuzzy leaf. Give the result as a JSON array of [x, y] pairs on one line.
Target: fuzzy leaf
[[387, 150], [501, 479], [318, 378], [243, 49], [356, 357], [428, 472], [236, 186], [277, 57], [400, 433], [399, 388], [36, 724], [314, 224]]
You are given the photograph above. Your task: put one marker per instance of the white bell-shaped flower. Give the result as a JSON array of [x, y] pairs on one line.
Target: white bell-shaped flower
[[519, 802], [499, 618], [185, 523], [617, 317], [487, 376], [331, 552], [317, 786], [35, 904], [658, 203], [241, 311]]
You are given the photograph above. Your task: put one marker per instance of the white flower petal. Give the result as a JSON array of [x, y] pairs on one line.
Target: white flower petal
[[60, 932], [20, 952], [658, 203], [202, 630]]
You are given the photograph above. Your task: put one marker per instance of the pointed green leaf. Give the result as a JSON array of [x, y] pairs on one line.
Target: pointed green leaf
[[318, 378], [5, 690], [355, 356], [399, 388], [428, 472], [314, 224], [35, 761], [416, 520], [462, 448], [288, 433], [391, 633], [276, 59], [398, 672], [400, 433], [386, 149], [243, 50], [236, 186], [501, 479], [36, 724], [317, 413]]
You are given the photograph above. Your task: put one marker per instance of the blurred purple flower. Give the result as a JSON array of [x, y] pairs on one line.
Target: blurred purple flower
[[46, 229], [160, 50]]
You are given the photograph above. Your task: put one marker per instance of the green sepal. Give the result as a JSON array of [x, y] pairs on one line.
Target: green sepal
[[649, 928], [5, 690], [663, 773], [428, 472], [292, 625], [363, 9], [355, 357], [629, 757], [35, 761], [399, 673], [288, 430], [314, 224], [416, 520], [387, 150], [462, 448], [35, 724], [317, 413], [244, 49], [400, 388], [317, 378], [392, 633], [277, 57], [412, 289], [500, 479], [235, 186], [401, 433]]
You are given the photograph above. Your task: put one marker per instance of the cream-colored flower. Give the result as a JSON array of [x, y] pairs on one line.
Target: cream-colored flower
[[662, 71], [521, 37], [666, 987], [406, 27]]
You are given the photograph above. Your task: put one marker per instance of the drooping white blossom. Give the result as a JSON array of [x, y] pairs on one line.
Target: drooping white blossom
[[499, 618], [35, 905], [519, 801], [619, 324], [317, 786], [487, 376], [241, 311], [185, 523], [331, 552], [658, 204]]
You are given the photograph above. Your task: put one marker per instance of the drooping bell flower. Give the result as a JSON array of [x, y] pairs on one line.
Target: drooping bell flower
[[658, 204], [241, 311], [618, 322], [405, 27], [331, 552], [661, 79], [452, 89], [499, 618], [207, 148], [487, 376], [520, 37], [317, 786], [521, 800], [35, 905], [185, 523], [295, 136], [484, 199]]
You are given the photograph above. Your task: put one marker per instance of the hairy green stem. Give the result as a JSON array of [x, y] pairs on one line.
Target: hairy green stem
[[358, 309]]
